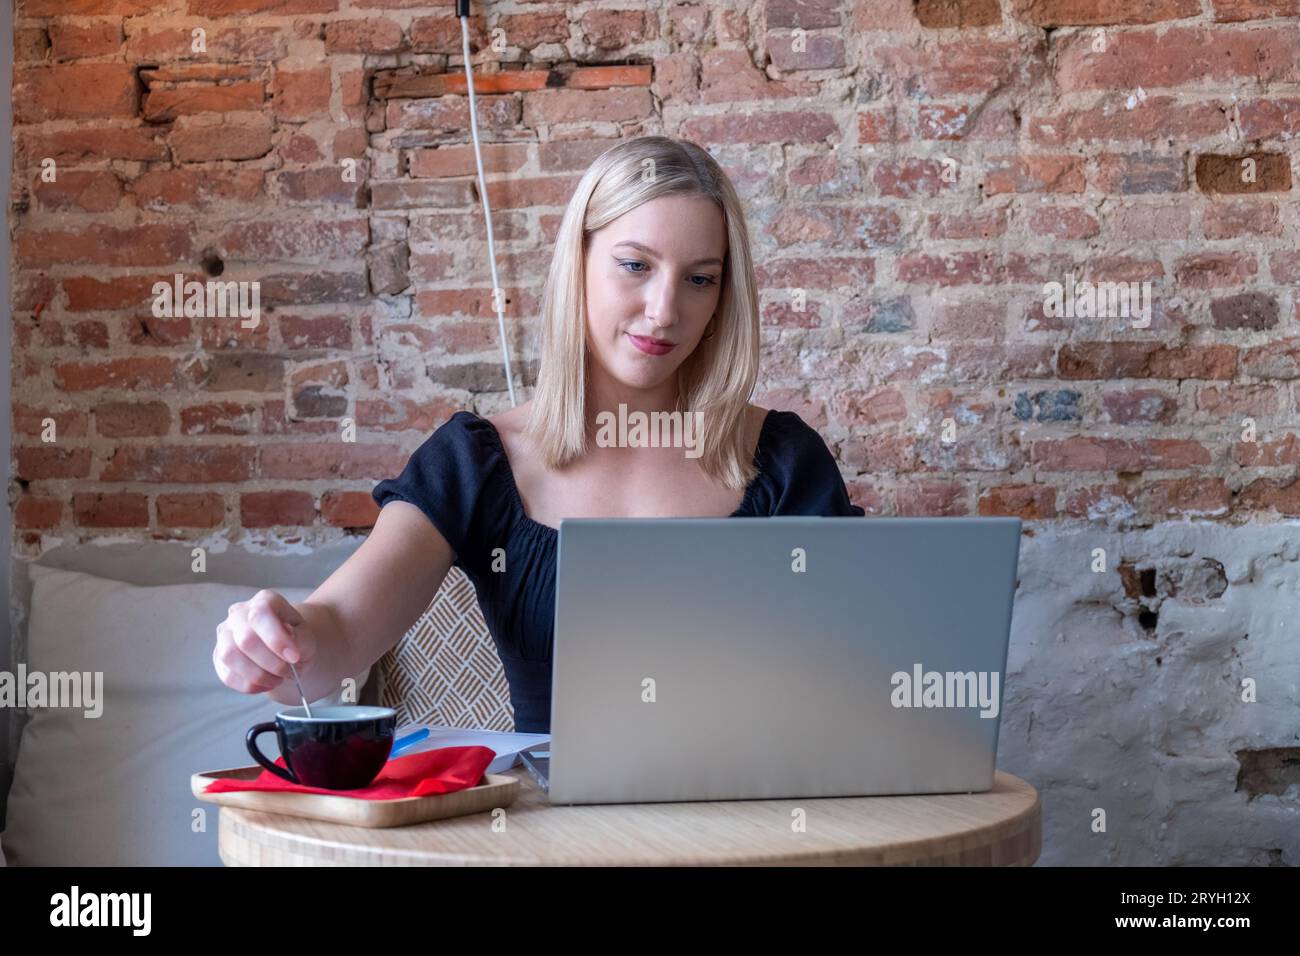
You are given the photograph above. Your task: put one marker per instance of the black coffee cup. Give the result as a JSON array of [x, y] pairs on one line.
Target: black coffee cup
[[336, 748]]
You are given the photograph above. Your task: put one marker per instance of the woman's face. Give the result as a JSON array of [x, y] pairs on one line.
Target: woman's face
[[653, 275]]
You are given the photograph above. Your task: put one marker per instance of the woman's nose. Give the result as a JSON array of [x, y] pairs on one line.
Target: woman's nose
[[662, 305]]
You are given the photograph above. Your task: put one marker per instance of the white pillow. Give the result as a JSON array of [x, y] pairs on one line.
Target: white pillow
[[114, 790]]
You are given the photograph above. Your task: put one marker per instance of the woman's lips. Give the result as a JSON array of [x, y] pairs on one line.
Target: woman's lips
[[651, 346]]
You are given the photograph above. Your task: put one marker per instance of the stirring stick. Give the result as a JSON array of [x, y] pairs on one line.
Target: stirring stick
[[305, 706]]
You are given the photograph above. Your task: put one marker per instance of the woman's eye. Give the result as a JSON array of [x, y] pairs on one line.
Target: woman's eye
[[708, 280]]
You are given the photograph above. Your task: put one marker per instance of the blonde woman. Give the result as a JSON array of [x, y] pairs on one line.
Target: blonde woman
[[650, 305]]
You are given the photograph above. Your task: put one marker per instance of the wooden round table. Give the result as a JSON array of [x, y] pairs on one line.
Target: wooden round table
[[1002, 827]]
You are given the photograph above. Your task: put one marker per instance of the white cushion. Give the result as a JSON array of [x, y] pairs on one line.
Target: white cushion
[[114, 790]]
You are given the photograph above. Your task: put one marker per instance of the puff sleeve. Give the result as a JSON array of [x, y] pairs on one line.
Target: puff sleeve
[[454, 478], [800, 475]]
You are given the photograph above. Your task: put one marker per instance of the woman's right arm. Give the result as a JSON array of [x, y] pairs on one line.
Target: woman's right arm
[[348, 623]]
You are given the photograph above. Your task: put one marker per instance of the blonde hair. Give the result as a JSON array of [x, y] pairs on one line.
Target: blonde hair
[[718, 377]]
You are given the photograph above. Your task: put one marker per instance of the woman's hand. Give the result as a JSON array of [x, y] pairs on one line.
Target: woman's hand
[[258, 639]]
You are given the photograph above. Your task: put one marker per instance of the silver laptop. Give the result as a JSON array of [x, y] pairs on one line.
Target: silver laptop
[[765, 658]]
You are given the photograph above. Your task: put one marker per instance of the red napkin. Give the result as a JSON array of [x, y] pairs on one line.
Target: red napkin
[[444, 770]]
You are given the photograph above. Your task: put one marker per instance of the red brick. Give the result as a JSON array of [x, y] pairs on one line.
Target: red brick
[[1210, 270], [527, 30], [1085, 453], [1177, 56], [968, 320], [1148, 222], [880, 126], [442, 34], [1140, 405], [164, 105], [160, 189], [38, 513], [1234, 400], [829, 273], [820, 52], [1263, 493], [1028, 174], [223, 8], [730, 76], [947, 14], [206, 510], [808, 126], [73, 41], [1285, 266], [965, 66], [331, 459], [907, 178], [1227, 174], [1114, 360], [265, 509], [132, 419], [315, 332], [74, 91], [1269, 119], [34, 464], [140, 245], [1268, 454], [459, 160], [301, 94], [98, 191], [1278, 359], [587, 106], [934, 499], [520, 193], [1084, 13], [146, 372], [871, 226], [218, 418], [31, 44], [349, 509], [374, 35], [234, 43], [1185, 496], [985, 223], [89, 144], [1231, 11], [1233, 220], [452, 113], [1130, 175], [182, 464], [201, 141], [614, 29], [1063, 223], [857, 407], [110, 510], [87, 8], [1121, 116], [1027, 502], [304, 240]]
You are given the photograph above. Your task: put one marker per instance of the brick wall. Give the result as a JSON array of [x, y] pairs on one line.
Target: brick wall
[[916, 172]]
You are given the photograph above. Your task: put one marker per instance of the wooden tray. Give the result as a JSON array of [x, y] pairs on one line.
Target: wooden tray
[[495, 790]]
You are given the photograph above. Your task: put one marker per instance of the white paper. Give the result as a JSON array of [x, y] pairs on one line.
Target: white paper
[[505, 745]]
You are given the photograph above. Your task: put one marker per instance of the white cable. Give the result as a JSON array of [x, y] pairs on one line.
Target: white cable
[[487, 212]]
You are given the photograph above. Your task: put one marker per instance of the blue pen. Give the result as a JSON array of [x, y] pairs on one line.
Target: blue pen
[[408, 740]]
